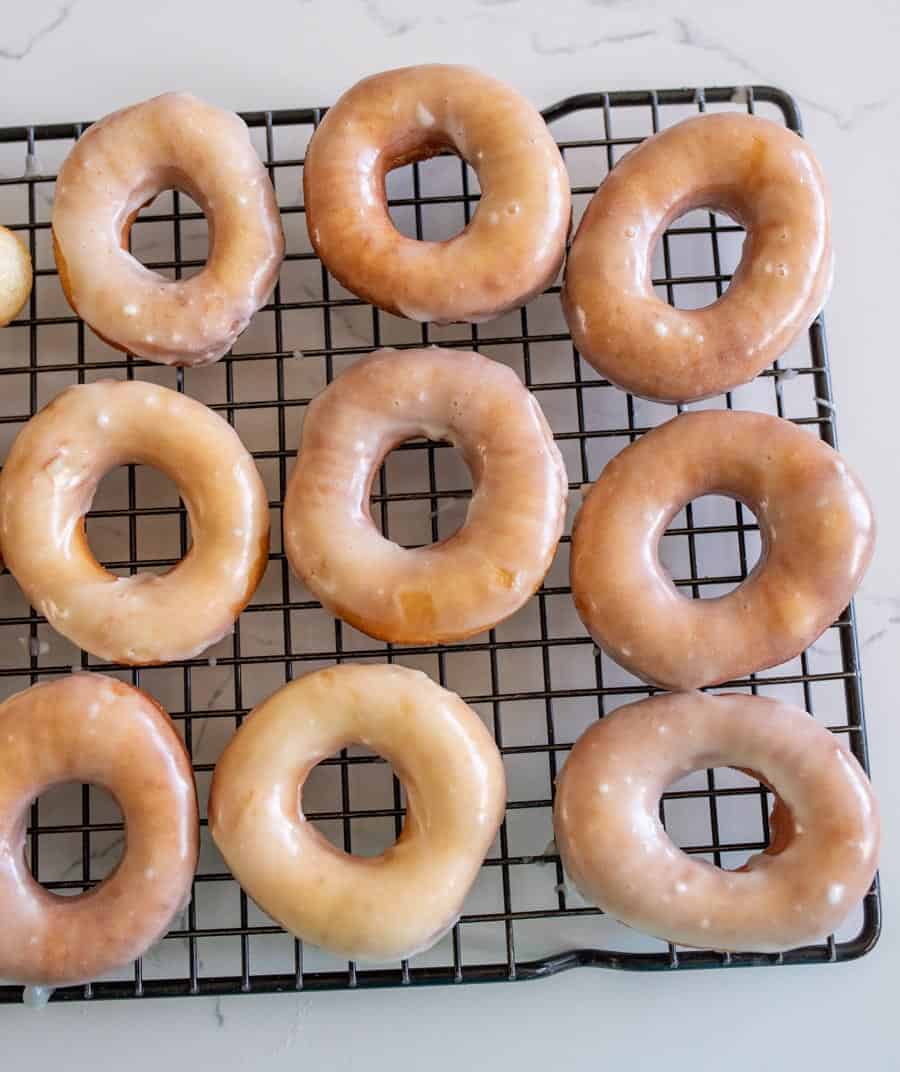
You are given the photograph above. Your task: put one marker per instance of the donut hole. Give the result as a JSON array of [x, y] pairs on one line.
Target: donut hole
[[723, 815], [711, 546], [700, 254], [439, 177], [421, 493], [170, 235], [137, 523], [349, 798], [79, 839]]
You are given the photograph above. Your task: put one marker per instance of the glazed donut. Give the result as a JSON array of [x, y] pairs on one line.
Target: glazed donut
[[15, 276], [481, 574], [94, 729], [514, 244], [120, 165], [48, 484], [825, 826], [387, 907], [762, 175], [817, 539]]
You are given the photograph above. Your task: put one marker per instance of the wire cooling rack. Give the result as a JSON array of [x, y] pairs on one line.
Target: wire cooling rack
[[537, 680]]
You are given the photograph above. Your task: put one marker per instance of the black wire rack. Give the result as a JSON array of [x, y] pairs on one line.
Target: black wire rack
[[537, 680]]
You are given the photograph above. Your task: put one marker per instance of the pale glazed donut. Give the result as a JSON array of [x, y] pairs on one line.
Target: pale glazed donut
[[817, 531], [387, 907], [94, 729], [16, 276], [515, 242], [764, 176], [48, 484], [825, 827], [487, 569], [121, 164]]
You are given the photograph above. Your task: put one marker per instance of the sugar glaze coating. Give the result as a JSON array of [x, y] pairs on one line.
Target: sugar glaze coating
[[374, 908], [487, 569], [818, 533], [825, 826], [514, 244], [120, 164], [764, 176], [48, 484]]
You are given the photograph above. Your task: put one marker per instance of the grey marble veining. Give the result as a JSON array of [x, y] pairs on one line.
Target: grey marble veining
[[44, 24]]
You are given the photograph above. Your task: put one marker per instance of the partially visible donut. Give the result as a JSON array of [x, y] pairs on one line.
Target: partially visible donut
[[122, 163], [16, 276], [94, 729], [514, 244]]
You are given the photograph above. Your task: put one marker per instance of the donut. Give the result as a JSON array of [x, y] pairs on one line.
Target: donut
[[94, 729], [15, 276], [387, 907], [817, 532], [514, 244], [762, 175], [485, 571], [825, 826], [120, 165], [48, 484]]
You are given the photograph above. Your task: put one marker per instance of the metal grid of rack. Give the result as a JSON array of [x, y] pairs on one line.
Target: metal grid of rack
[[537, 680]]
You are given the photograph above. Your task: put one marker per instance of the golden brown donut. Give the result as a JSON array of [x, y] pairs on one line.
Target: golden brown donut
[[487, 569], [817, 531], [387, 907], [764, 176], [514, 244], [94, 729], [122, 163], [48, 484], [825, 833], [16, 276]]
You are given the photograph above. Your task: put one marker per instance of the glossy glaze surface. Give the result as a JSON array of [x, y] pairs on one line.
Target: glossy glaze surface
[[375, 908], [817, 530], [94, 729], [15, 276], [761, 174], [487, 569], [48, 484], [121, 164], [825, 830], [513, 246]]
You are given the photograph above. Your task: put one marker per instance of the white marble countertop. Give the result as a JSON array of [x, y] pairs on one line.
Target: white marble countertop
[[78, 59]]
